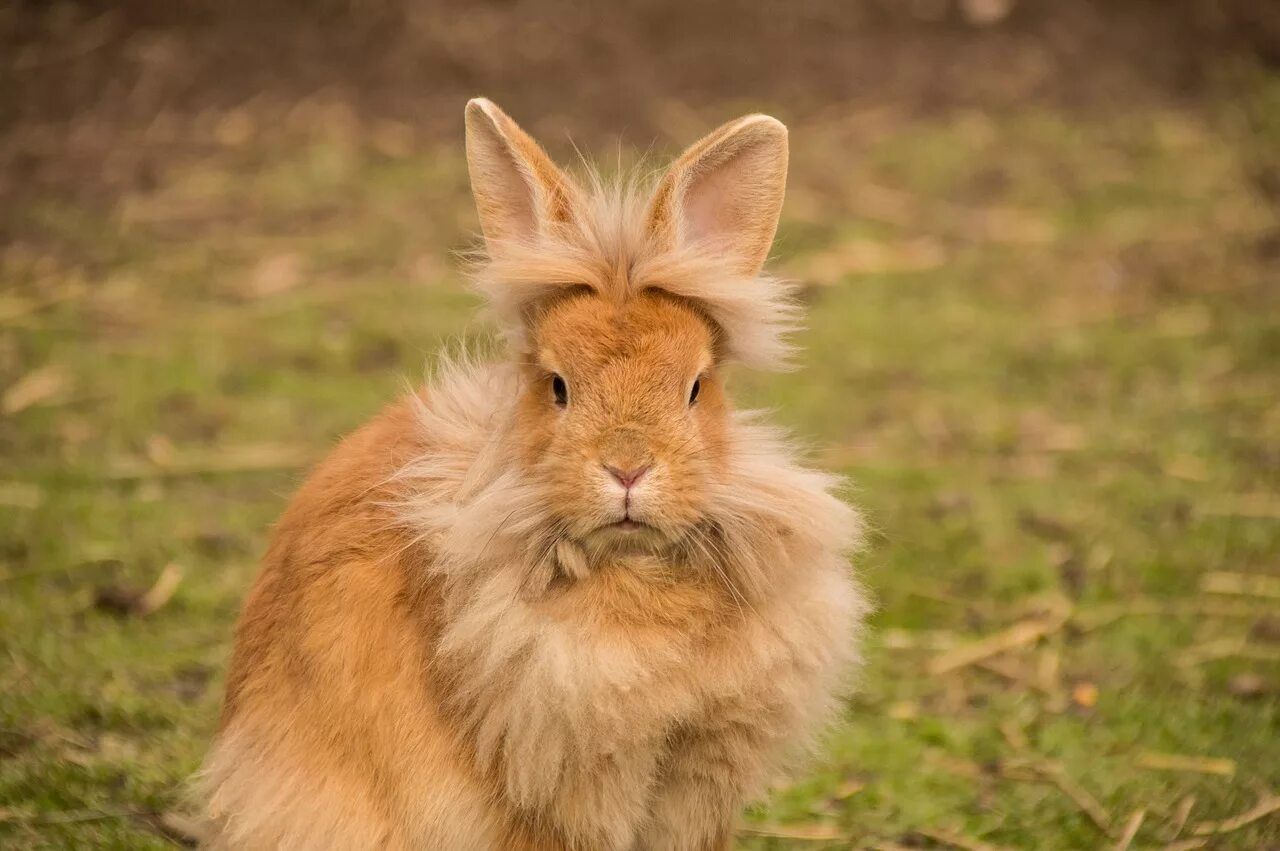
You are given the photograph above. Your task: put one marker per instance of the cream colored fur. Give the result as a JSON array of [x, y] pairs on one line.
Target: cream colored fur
[[586, 726]]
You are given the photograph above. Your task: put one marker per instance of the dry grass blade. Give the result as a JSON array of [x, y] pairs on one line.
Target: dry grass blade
[[812, 831], [1240, 584], [1268, 805], [20, 495], [183, 829], [956, 840], [1224, 648], [848, 789], [1259, 506], [66, 816], [12, 307], [1013, 675], [240, 459], [1014, 735], [276, 274], [129, 601], [35, 388], [161, 592], [1082, 799], [1186, 845], [1130, 830], [869, 257], [15, 308], [1096, 617], [1019, 635], [985, 13], [1190, 764], [955, 765], [1180, 816], [1046, 772], [908, 639]]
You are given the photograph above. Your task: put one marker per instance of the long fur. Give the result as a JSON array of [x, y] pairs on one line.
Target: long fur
[[435, 656], [608, 248]]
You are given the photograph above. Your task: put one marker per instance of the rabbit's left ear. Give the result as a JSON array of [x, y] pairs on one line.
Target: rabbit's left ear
[[725, 193]]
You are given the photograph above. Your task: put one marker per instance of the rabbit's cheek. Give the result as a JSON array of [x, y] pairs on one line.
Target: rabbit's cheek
[[640, 504]]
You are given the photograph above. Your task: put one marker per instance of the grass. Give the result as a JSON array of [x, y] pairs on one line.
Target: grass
[[1043, 348]]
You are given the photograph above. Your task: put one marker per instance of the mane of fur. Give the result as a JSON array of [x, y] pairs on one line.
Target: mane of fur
[[606, 245], [537, 707]]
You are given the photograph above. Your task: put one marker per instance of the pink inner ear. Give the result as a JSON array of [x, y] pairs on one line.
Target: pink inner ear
[[732, 194], [712, 209], [509, 201]]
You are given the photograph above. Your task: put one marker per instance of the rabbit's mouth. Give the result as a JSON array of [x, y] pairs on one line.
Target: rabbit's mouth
[[628, 524], [628, 528]]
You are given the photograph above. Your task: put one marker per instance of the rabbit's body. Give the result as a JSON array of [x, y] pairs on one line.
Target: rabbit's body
[[458, 642]]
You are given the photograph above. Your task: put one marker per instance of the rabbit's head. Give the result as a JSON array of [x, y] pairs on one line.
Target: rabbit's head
[[623, 307]]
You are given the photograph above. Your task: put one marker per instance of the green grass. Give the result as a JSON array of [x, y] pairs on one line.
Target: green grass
[[1044, 349]]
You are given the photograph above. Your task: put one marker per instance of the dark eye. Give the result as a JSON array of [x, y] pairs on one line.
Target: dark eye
[[693, 394], [560, 389]]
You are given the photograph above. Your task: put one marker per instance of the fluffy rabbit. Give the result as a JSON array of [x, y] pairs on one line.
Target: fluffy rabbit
[[573, 600]]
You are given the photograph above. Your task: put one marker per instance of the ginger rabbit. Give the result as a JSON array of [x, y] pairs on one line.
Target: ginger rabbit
[[567, 601]]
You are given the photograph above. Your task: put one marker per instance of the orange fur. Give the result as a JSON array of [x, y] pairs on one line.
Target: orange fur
[[469, 634]]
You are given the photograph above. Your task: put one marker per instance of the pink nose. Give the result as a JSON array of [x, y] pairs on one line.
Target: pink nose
[[627, 478]]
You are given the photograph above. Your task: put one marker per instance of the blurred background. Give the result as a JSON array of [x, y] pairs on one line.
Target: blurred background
[[1040, 249]]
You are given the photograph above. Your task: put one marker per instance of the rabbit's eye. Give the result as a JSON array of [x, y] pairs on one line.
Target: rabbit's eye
[[560, 390], [693, 393]]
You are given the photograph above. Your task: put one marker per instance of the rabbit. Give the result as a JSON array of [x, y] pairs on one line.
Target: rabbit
[[570, 600]]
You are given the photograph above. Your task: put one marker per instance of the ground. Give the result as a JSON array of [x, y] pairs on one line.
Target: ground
[[1042, 346]]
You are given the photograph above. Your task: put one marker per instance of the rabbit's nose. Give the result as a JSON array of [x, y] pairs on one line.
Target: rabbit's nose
[[627, 478]]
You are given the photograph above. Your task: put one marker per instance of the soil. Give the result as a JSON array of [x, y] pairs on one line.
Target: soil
[[99, 97]]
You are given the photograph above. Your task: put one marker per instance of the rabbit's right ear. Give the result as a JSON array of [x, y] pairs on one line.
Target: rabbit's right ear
[[725, 192], [519, 191]]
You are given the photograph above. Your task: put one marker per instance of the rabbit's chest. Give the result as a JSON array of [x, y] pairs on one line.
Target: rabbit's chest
[[633, 676], [582, 705]]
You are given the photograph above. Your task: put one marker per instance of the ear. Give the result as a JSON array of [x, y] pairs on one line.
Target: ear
[[519, 191], [726, 192]]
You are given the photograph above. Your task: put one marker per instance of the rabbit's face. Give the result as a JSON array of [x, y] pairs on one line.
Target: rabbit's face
[[621, 307], [623, 417]]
